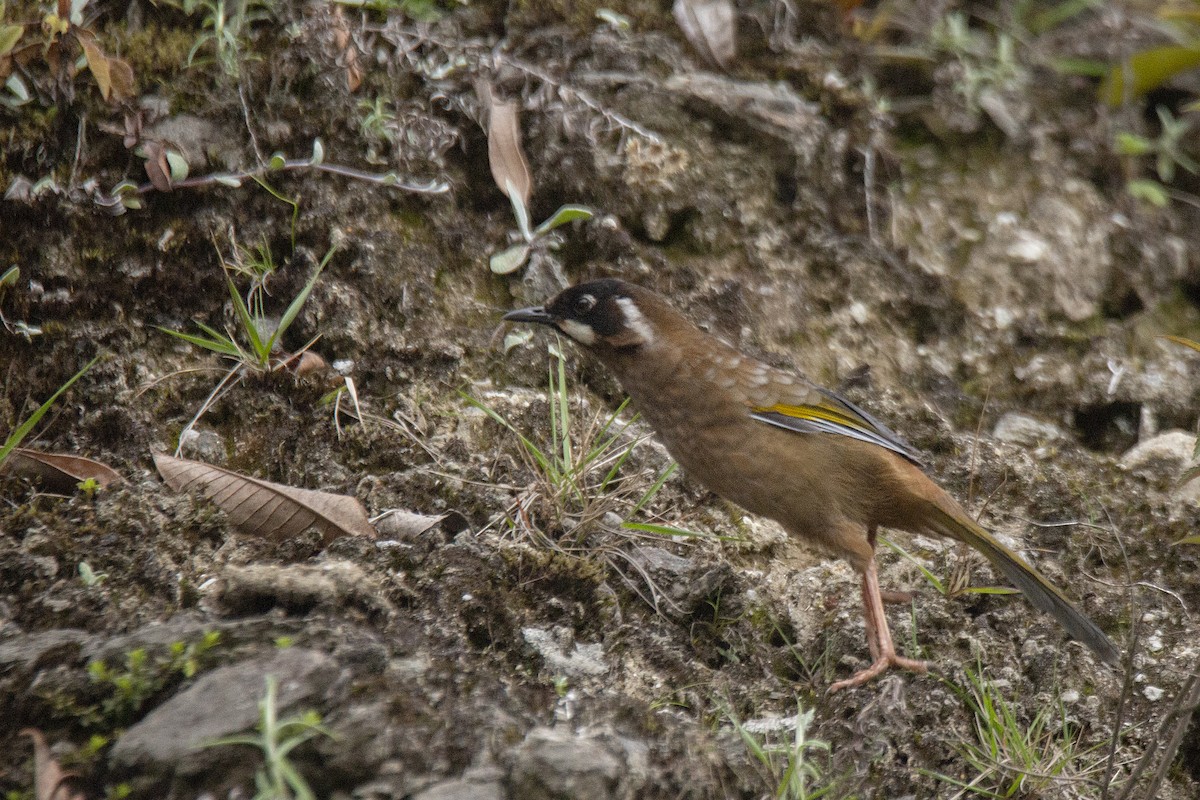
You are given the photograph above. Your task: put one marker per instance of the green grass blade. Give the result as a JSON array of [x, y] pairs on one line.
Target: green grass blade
[[530, 447], [929, 576], [658, 484], [665, 530], [217, 344], [289, 316], [17, 436], [249, 324]]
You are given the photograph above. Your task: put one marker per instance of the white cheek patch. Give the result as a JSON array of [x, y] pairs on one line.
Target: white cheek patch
[[578, 331], [635, 321]]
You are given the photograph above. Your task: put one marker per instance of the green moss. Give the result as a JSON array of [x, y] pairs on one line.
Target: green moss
[[155, 53]]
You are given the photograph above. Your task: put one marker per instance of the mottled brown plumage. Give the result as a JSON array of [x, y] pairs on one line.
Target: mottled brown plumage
[[784, 448]]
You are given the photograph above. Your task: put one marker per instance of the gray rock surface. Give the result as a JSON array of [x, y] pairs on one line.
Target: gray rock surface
[[1027, 431], [555, 763], [170, 740]]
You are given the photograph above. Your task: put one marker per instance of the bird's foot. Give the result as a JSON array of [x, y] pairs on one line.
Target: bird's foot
[[881, 665]]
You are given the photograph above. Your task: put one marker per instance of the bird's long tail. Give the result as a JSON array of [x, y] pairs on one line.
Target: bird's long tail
[[955, 524]]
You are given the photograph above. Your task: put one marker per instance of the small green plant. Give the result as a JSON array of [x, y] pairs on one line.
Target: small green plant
[[986, 64], [253, 349], [89, 577], [278, 778], [141, 677], [226, 26], [577, 484], [1167, 150], [1018, 759], [514, 257], [789, 765], [260, 337], [378, 124], [18, 435], [575, 480]]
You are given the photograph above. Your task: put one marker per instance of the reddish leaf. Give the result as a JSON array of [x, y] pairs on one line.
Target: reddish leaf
[[347, 52], [61, 471], [50, 781], [157, 168]]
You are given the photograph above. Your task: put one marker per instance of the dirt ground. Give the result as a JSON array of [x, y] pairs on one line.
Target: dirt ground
[[937, 192]]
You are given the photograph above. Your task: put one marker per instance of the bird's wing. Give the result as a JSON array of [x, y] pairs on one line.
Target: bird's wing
[[798, 405]]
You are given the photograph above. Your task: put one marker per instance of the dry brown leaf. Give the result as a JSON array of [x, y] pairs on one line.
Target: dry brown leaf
[[60, 471], [711, 28], [263, 508], [50, 780], [123, 85], [157, 168], [404, 525], [309, 362], [348, 52], [113, 76], [510, 170]]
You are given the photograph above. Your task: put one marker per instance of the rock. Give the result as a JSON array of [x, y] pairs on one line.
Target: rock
[[1170, 451], [203, 444], [1168, 456], [170, 740], [580, 661], [685, 583], [297, 587], [1027, 431], [555, 763], [27, 652], [477, 783]]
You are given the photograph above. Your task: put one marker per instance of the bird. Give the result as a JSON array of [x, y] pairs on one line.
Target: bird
[[785, 448]]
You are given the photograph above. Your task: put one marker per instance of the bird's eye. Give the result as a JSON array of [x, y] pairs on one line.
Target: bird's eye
[[585, 303]]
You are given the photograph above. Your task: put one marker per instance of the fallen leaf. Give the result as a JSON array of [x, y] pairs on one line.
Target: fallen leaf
[[309, 362], [348, 52], [510, 170], [157, 167], [61, 471], [400, 524], [50, 780], [263, 508], [711, 28]]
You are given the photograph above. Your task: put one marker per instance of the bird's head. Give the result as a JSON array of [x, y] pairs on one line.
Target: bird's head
[[597, 314]]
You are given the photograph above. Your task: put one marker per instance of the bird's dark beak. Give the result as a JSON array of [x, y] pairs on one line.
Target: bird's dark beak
[[532, 314]]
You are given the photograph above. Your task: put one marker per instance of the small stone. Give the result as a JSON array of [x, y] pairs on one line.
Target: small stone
[[462, 789], [564, 656], [1027, 431], [553, 763], [1152, 693], [1028, 248], [1171, 450], [203, 444], [297, 587]]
